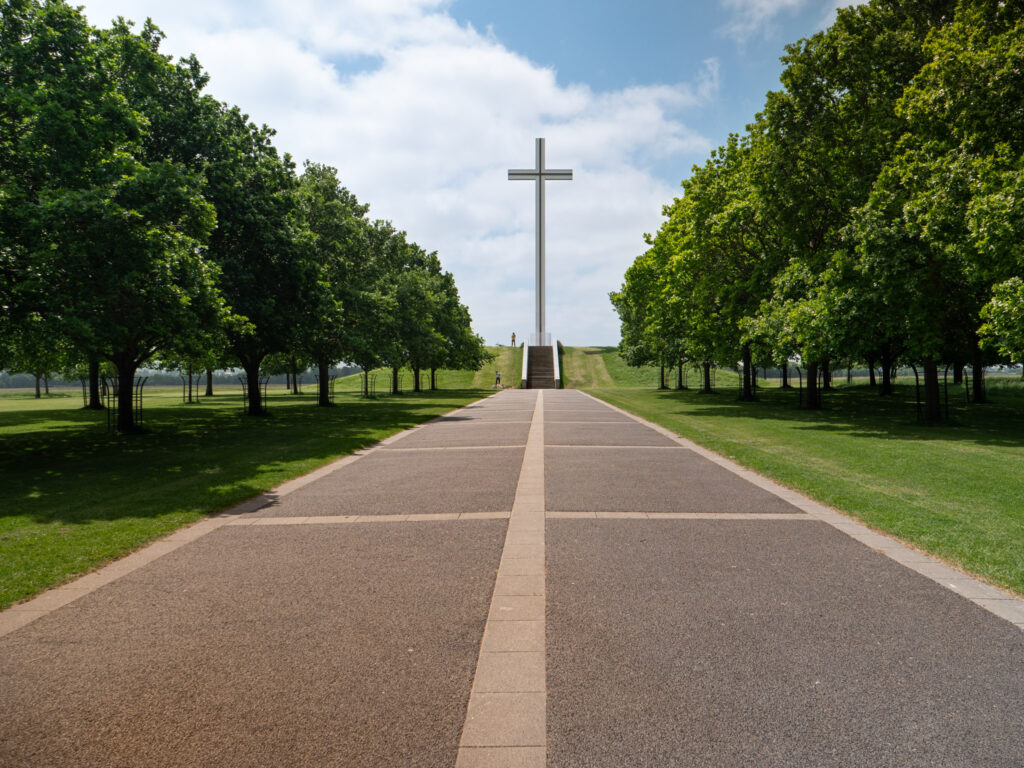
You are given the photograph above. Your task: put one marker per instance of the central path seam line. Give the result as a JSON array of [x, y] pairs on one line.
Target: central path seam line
[[506, 719]]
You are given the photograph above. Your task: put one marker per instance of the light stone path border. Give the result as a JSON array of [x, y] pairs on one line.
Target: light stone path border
[[506, 719], [681, 516], [993, 600], [17, 616]]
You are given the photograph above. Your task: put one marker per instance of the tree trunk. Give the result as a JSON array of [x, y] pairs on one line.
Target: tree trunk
[[748, 392], [415, 379], [125, 396], [958, 372], [679, 376], [394, 380], [433, 375], [977, 376], [95, 402], [366, 383], [287, 381], [188, 372], [849, 375], [932, 401], [707, 377], [661, 378], [295, 375], [39, 392], [46, 382], [826, 375], [813, 400], [785, 375], [871, 373], [209, 382], [324, 389], [251, 366], [886, 375]]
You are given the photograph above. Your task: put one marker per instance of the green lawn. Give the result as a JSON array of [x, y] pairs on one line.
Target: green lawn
[[954, 491], [74, 497]]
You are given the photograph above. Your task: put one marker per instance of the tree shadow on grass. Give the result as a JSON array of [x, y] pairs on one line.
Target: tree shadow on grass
[[193, 459], [861, 412]]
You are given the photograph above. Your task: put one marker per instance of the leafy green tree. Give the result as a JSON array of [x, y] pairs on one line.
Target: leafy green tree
[[38, 349], [267, 271], [462, 349], [337, 222], [640, 343], [1004, 319], [960, 165], [64, 128], [828, 133], [723, 254], [419, 302], [121, 265]]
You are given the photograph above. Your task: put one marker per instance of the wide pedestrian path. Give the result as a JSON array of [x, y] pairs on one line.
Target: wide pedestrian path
[[536, 579]]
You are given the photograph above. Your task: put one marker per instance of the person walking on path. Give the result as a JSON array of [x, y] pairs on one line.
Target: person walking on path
[[497, 379]]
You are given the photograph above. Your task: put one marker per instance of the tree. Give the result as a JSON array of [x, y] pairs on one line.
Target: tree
[[828, 133], [37, 349], [63, 128], [1004, 319], [723, 254], [266, 268], [635, 302], [120, 263], [336, 220], [419, 302], [961, 164], [462, 349]]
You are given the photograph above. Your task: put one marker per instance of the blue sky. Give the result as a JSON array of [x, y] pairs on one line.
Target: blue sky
[[626, 44], [423, 105]]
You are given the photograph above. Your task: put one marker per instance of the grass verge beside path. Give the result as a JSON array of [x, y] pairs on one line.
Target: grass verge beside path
[[954, 491], [73, 497]]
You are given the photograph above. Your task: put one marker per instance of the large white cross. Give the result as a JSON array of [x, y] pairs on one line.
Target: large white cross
[[540, 174]]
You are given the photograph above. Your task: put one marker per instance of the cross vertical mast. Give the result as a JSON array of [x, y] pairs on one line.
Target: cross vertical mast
[[540, 174]]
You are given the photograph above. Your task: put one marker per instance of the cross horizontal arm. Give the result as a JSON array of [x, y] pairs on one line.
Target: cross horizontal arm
[[551, 174]]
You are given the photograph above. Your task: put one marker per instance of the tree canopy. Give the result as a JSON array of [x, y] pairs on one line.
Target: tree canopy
[[140, 218], [871, 211]]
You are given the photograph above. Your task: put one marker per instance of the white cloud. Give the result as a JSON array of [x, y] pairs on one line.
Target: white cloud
[[752, 17], [831, 9], [426, 131]]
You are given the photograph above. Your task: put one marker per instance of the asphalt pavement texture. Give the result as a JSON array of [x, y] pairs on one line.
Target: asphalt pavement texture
[[672, 642]]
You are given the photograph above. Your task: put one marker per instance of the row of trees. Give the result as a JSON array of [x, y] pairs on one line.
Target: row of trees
[[873, 212], [141, 219]]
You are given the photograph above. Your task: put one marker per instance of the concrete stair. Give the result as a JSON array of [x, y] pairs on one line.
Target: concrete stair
[[540, 370]]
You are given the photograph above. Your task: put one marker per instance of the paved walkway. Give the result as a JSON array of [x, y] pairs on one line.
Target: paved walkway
[[536, 579]]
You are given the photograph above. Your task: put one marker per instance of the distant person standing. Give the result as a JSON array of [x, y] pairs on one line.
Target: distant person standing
[[513, 338], [497, 378]]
